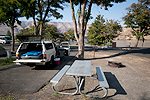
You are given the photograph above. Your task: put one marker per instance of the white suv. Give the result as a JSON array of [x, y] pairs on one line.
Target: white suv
[[35, 53]]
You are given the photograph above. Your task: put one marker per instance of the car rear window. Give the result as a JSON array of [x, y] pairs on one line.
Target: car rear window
[[48, 46], [31, 47]]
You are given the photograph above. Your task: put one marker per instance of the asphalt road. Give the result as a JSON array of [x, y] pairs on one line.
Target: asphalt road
[[8, 46], [25, 80]]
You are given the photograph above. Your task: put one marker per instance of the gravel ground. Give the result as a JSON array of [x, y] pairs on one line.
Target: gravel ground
[[130, 82]]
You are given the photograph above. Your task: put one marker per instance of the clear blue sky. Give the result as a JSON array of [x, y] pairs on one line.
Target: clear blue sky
[[116, 12]]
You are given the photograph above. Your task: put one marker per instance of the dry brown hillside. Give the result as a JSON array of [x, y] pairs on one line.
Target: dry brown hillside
[[127, 35], [61, 26], [65, 26]]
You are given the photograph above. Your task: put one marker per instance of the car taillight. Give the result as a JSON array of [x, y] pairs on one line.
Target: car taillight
[[44, 56], [16, 56]]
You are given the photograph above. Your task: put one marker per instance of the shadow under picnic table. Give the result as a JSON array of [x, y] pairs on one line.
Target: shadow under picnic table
[[114, 84]]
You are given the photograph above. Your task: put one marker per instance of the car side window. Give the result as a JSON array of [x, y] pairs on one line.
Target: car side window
[[48, 46], [24, 47], [2, 38]]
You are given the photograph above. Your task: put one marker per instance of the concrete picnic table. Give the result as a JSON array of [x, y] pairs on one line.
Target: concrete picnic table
[[79, 70]]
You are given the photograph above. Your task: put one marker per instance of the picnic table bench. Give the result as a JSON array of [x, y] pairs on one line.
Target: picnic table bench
[[80, 69], [102, 80], [58, 77]]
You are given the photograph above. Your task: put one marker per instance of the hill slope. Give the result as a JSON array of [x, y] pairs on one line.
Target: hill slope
[[65, 26], [5, 28], [127, 35], [61, 26]]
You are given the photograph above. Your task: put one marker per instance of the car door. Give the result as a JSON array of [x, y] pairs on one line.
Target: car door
[[50, 51]]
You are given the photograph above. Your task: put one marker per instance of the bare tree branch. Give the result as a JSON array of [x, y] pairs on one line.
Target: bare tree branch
[[79, 13], [82, 16], [74, 21]]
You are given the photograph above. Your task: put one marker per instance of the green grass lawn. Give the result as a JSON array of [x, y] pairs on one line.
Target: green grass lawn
[[4, 63]]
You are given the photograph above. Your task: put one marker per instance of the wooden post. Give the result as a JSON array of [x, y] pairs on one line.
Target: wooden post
[[94, 53]]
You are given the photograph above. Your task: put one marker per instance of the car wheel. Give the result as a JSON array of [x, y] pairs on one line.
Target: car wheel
[[52, 60], [51, 64], [66, 52], [48, 65]]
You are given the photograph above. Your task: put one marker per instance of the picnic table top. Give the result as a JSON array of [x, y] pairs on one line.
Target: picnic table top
[[80, 68]]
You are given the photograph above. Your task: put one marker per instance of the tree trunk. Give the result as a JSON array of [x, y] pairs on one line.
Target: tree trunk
[[41, 28], [74, 21], [80, 54], [81, 32], [142, 44], [81, 25], [35, 26], [143, 40], [13, 39], [35, 30], [137, 42]]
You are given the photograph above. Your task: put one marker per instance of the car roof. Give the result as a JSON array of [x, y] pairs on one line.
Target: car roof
[[38, 42], [65, 42]]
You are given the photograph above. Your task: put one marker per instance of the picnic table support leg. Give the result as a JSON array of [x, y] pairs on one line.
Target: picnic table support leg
[[104, 89], [67, 92], [106, 92], [79, 81]]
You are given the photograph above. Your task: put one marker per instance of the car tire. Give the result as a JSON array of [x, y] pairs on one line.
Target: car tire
[[52, 60], [66, 52], [48, 65]]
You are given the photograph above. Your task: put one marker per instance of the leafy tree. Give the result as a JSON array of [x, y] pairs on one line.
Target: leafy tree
[[102, 31], [9, 14], [112, 29], [69, 35], [138, 18], [29, 9], [8, 34], [51, 32], [96, 33], [40, 10], [26, 31], [83, 15], [47, 9]]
